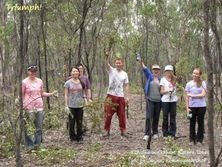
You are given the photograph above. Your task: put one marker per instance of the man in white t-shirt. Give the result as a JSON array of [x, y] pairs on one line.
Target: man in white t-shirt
[[117, 94]]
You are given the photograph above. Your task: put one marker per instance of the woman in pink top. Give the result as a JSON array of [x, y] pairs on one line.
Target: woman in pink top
[[32, 92]]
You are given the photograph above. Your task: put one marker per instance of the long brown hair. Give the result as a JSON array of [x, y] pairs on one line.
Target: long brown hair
[[172, 77], [199, 82]]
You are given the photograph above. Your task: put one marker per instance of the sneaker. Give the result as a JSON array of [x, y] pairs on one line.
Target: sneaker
[[145, 138], [155, 136], [79, 141], [191, 143], [106, 135], [199, 144], [30, 149], [124, 135]]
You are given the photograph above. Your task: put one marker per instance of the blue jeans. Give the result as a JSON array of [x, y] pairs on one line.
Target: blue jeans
[[169, 109], [152, 116], [34, 139]]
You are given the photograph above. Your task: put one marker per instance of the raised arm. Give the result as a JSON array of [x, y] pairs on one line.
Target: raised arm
[[146, 71], [141, 63], [107, 65]]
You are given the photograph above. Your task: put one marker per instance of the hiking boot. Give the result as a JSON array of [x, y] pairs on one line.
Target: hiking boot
[[145, 138]]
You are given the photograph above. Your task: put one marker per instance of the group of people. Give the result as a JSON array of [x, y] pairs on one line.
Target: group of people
[[160, 92]]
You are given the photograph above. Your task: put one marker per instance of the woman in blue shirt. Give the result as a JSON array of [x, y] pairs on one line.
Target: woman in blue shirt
[[153, 99]]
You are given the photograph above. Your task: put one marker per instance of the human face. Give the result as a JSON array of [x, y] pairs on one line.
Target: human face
[[32, 73], [196, 75], [81, 70], [156, 72], [119, 65], [75, 73], [168, 74]]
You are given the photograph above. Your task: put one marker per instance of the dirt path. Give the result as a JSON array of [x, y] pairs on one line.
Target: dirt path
[[97, 151]]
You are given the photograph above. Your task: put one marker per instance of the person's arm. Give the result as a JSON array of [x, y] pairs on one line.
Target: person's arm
[[126, 85], [23, 90], [141, 63], [85, 91], [107, 65], [187, 102], [89, 92], [66, 96], [162, 90], [201, 95], [146, 71], [89, 95], [46, 94]]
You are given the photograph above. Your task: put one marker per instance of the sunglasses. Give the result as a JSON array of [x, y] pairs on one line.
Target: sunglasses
[[32, 68]]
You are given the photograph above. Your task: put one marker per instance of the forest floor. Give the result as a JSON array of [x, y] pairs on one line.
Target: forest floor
[[96, 151]]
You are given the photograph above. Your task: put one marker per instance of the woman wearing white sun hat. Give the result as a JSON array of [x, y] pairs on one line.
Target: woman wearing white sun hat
[[169, 100]]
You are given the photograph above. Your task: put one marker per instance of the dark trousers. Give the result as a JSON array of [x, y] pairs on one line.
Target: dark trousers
[[169, 109], [198, 114], [75, 118], [152, 116]]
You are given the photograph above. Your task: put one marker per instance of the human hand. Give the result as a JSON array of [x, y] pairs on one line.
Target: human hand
[[171, 89], [17, 101], [189, 114], [86, 102], [168, 89], [189, 95], [126, 100], [55, 93], [138, 57], [106, 52], [67, 110]]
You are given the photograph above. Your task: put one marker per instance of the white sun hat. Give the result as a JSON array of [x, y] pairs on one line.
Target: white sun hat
[[168, 68]]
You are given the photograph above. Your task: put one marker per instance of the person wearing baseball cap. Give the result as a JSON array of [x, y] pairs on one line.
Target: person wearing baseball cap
[[32, 93], [153, 100], [169, 100]]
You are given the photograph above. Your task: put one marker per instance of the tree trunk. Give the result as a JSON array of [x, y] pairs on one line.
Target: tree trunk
[[210, 95], [20, 59], [2, 58], [85, 10], [45, 52], [39, 55], [218, 45]]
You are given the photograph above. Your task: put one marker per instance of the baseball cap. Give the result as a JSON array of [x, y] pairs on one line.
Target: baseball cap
[[168, 68], [32, 68], [155, 66]]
